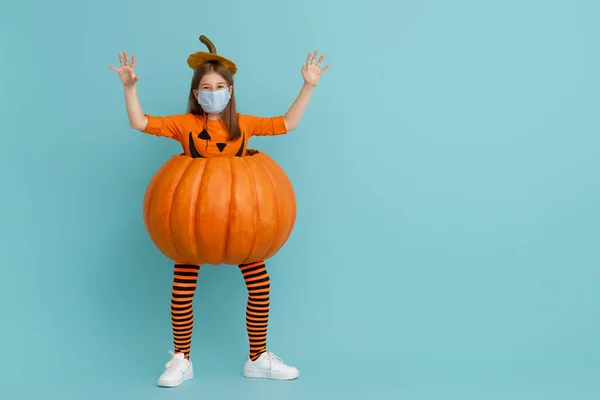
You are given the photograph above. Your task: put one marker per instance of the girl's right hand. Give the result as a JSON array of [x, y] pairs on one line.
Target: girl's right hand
[[127, 70]]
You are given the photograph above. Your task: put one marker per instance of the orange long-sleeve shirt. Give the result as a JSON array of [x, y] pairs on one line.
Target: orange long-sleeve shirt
[[189, 130]]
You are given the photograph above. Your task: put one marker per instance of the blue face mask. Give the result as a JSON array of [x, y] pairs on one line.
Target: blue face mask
[[214, 102]]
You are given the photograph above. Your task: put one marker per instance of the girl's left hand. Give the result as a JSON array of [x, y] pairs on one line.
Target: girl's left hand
[[311, 72]]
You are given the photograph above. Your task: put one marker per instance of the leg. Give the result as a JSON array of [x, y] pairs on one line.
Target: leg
[[257, 309], [260, 362], [180, 369], [182, 311]]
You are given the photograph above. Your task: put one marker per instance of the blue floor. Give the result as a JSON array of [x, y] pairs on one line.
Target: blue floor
[[370, 379]]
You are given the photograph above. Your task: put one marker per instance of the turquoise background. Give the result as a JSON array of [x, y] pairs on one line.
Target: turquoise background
[[448, 192]]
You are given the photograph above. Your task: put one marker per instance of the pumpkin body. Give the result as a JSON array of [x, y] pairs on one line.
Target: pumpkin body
[[230, 210]]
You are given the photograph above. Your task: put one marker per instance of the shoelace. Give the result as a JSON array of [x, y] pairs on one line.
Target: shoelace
[[274, 359], [174, 362]]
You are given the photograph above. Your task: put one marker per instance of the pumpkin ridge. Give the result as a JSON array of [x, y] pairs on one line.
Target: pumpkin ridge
[[162, 202], [177, 184], [213, 205], [183, 210], [231, 204], [195, 244], [266, 215], [274, 185], [284, 183], [149, 199], [256, 208]]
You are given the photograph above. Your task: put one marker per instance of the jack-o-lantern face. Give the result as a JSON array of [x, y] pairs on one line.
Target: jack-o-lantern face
[[240, 144]]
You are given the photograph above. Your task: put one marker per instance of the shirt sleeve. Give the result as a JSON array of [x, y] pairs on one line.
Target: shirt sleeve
[[263, 126], [170, 126]]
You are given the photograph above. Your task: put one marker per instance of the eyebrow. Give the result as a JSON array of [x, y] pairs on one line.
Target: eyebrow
[[218, 83]]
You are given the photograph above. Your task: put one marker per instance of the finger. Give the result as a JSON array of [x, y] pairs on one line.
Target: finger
[[126, 58], [320, 60], [113, 68], [308, 59], [121, 59], [133, 61], [314, 57], [325, 68]]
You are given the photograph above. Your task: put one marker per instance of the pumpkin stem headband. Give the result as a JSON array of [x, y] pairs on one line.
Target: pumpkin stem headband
[[211, 47], [195, 60]]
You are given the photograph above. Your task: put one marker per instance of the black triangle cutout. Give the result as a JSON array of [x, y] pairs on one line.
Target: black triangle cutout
[[204, 135], [221, 146]]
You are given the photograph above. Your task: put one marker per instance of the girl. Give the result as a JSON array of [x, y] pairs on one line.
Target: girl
[[214, 121]]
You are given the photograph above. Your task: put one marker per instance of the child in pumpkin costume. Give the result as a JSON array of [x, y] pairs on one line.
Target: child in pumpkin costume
[[213, 128]]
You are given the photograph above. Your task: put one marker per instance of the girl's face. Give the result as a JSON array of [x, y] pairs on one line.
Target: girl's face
[[212, 82]]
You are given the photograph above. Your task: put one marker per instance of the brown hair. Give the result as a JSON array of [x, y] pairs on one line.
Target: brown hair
[[229, 115]]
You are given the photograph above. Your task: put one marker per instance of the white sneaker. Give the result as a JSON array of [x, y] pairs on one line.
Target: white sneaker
[[269, 366], [177, 370]]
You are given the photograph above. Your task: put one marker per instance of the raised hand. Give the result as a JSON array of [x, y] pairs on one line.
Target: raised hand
[[127, 70], [311, 71]]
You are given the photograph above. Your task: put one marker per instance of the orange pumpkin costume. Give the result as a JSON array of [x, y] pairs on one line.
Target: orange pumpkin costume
[[218, 203]]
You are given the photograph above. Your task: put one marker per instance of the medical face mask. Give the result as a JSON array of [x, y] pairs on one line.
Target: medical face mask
[[214, 102]]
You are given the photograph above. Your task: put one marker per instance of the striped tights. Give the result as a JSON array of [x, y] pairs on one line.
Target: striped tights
[[257, 308]]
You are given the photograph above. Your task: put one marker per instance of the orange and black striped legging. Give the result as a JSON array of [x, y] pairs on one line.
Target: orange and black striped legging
[[257, 309]]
